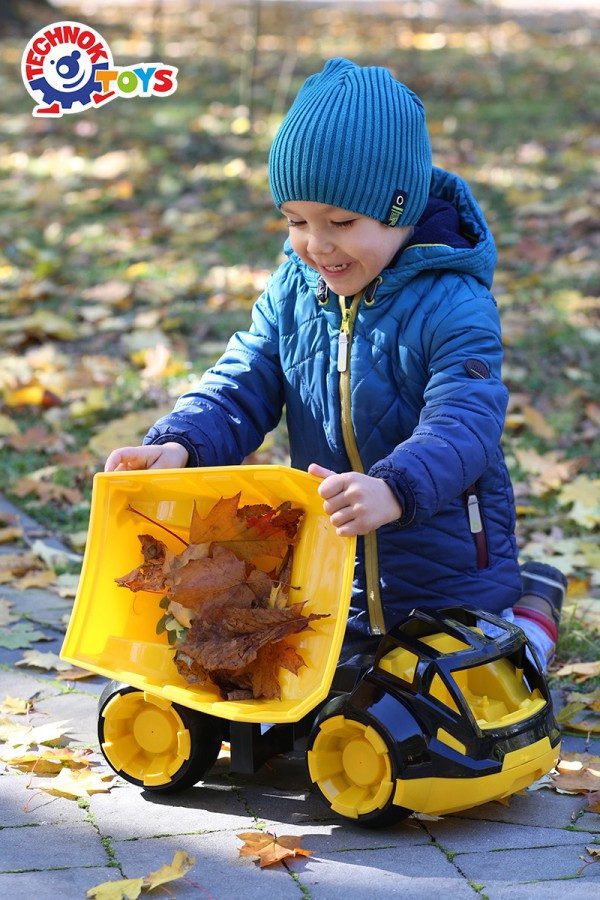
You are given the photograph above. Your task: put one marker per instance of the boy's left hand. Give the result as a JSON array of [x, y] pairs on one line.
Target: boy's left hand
[[356, 503]]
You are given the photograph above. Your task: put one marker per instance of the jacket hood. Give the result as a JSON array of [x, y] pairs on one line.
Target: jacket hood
[[452, 234]]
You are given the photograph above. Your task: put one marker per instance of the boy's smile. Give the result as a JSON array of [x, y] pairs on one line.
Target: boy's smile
[[347, 249]]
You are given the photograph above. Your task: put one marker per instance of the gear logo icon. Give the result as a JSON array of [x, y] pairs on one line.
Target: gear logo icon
[[67, 67]]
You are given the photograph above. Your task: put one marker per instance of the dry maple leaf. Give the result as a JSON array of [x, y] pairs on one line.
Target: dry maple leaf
[[265, 669], [269, 848], [249, 532], [577, 774], [233, 641], [72, 784], [131, 888]]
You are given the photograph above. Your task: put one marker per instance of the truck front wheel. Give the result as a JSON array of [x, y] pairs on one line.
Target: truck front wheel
[[354, 771]]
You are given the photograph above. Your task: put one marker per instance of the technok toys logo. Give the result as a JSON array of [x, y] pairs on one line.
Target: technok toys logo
[[67, 67]]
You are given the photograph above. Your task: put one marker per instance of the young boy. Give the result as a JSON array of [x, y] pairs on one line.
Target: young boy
[[380, 337]]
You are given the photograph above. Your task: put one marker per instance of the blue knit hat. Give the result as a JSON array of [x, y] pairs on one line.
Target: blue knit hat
[[354, 138]]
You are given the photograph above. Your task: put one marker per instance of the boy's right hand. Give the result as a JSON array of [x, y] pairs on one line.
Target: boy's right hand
[[149, 456]]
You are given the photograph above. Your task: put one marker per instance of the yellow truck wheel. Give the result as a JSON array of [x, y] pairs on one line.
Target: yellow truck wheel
[[156, 744], [354, 770]]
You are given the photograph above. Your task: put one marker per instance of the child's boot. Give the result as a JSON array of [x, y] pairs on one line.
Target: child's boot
[[538, 610]]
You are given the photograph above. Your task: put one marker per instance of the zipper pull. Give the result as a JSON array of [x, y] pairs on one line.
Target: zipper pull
[[342, 360], [474, 513]]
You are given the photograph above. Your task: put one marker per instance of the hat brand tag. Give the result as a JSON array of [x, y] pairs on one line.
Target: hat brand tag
[[396, 207]]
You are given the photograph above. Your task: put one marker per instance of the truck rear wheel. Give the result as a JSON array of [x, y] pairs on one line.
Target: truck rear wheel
[[149, 741]]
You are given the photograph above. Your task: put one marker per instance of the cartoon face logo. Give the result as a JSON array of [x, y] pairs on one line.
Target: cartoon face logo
[[60, 65], [69, 71]]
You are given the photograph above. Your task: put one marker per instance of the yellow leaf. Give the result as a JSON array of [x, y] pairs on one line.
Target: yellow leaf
[[126, 889], [17, 735], [584, 493], [15, 706], [130, 888], [179, 866], [8, 427], [269, 848], [73, 784], [39, 660], [7, 535], [46, 760], [580, 670], [537, 423]]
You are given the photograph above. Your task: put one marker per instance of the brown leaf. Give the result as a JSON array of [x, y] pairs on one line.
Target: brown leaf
[[249, 532], [265, 669], [192, 581], [577, 774], [232, 641], [270, 849], [150, 576]]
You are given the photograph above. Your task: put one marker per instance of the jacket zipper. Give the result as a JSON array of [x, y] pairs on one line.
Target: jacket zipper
[[476, 527], [374, 606]]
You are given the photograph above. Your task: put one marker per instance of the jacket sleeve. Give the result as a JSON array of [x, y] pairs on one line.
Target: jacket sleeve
[[462, 418], [237, 401]]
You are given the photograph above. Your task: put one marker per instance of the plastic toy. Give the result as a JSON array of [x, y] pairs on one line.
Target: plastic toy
[[440, 720]]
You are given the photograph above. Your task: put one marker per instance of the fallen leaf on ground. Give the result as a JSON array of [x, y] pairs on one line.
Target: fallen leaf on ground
[[72, 784], [15, 706], [17, 735], [577, 774], [593, 802], [13, 533], [21, 635], [74, 674], [130, 888], [38, 660], [6, 616], [584, 495], [269, 848], [47, 760], [581, 671]]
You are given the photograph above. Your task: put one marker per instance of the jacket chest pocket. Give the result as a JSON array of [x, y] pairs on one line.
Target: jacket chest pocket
[[476, 527]]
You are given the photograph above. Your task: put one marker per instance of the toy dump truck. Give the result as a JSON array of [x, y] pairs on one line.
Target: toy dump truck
[[441, 719]]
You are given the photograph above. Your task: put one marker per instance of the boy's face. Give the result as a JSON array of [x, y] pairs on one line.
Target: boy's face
[[347, 249]]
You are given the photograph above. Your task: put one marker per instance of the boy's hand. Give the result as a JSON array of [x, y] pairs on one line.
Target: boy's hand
[[150, 456], [356, 503]]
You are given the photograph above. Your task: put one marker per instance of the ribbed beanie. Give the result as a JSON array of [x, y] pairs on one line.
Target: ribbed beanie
[[355, 138]]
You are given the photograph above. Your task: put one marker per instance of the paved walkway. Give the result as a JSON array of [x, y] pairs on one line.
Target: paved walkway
[[53, 847]]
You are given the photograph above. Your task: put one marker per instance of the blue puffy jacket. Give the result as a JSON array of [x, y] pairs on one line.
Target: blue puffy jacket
[[420, 403]]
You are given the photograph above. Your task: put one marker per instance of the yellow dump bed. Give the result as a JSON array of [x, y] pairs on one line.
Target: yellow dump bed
[[113, 631]]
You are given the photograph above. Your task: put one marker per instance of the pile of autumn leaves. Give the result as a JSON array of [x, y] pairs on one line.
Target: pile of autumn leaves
[[226, 600]]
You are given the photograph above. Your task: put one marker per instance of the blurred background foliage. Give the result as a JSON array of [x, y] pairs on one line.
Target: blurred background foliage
[[135, 237]]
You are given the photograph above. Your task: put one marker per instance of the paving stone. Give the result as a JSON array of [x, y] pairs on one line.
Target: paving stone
[[341, 837], [128, 812], [19, 806], [423, 873], [543, 808], [468, 836], [219, 872], [67, 884], [81, 710], [42, 606], [574, 889], [523, 865], [42, 848], [25, 682]]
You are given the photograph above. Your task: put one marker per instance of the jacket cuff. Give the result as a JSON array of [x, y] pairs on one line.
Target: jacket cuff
[[400, 487], [193, 458]]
